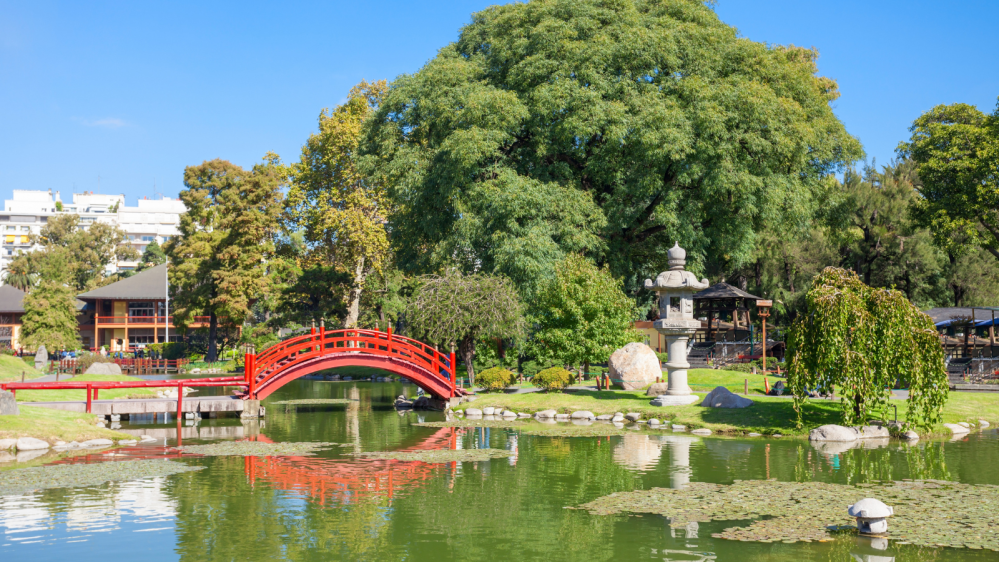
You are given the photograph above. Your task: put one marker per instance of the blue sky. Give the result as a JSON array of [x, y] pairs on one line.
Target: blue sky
[[131, 92]]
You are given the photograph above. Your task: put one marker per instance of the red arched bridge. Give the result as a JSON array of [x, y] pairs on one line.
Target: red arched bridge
[[293, 358]]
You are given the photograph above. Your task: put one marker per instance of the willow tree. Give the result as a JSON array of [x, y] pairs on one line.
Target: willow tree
[[341, 212], [462, 309], [862, 341], [608, 129]]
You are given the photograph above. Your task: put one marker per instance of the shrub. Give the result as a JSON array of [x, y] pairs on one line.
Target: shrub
[[553, 378], [496, 378], [85, 360]]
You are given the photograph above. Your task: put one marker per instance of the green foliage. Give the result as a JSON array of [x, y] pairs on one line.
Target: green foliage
[[171, 350], [552, 378], [496, 378], [610, 129], [50, 318], [580, 315], [455, 308], [864, 341], [220, 261], [956, 149], [18, 276], [154, 255]]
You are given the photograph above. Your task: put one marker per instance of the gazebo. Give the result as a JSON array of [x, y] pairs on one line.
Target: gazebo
[[722, 298]]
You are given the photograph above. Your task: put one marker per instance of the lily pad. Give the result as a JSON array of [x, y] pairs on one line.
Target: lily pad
[[927, 513], [79, 475], [440, 455], [255, 449]]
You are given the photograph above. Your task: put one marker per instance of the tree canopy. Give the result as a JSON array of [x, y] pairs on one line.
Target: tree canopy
[[956, 149], [461, 309], [50, 317], [610, 129], [861, 342], [580, 316]]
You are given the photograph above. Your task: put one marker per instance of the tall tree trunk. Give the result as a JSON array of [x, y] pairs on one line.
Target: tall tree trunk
[[466, 347], [354, 306], [213, 335], [858, 401]]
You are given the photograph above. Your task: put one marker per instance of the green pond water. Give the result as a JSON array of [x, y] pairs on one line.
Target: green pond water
[[337, 506]]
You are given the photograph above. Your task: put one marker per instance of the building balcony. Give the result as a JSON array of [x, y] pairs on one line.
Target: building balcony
[[143, 321]]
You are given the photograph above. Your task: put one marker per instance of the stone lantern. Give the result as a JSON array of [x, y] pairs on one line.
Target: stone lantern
[[676, 323], [872, 516]]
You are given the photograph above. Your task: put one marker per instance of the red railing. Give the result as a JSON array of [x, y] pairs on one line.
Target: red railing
[[93, 387], [423, 362]]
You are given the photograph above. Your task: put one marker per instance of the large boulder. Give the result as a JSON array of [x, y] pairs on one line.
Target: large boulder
[[8, 405], [657, 389], [832, 432], [42, 359], [722, 397], [634, 366], [31, 444], [103, 369]]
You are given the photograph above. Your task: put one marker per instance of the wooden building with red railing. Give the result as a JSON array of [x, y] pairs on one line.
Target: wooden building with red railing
[[130, 313]]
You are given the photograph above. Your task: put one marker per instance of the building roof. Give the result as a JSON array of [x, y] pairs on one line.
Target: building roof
[[148, 284], [724, 291], [11, 299], [962, 316]]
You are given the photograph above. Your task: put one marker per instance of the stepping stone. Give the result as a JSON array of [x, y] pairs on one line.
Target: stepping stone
[[677, 427], [701, 431]]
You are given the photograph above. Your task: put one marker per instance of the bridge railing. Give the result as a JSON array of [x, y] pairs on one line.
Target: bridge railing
[[371, 342]]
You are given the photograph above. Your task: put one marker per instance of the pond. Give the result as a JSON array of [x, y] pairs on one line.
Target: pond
[[336, 505]]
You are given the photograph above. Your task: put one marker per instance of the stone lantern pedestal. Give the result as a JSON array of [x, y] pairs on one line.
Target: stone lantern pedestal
[[676, 323]]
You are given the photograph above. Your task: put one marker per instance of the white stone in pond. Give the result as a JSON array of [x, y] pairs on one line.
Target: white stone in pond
[[473, 412], [523, 415], [127, 442], [7, 444], [722, 397], [754, 434], [910, 436], [605, 417], [582, 415], [678, 427], [509, 414], [146, 438], [545, 414], [632, 416], [983, 423], [964, 424], [561, 417], [777, 436], [97, 443], [488, 410], [872, 516], [195, 371], [634, 366], [702, 431], [653, 421], [31, 444], [956, 429]]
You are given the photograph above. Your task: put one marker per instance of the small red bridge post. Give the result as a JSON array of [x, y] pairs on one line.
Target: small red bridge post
[[180, 406], [388, 344], [322, 335], [251, 380], [454, 377], [89, 387]]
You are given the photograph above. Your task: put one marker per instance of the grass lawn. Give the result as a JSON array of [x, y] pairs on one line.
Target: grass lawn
[[769, 414], [54, 425], [69, 395], [11, 368]]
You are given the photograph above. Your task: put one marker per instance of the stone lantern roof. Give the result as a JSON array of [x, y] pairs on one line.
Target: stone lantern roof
[[677, 277]]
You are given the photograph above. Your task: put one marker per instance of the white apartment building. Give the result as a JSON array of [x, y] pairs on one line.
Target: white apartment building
[[28, 211]]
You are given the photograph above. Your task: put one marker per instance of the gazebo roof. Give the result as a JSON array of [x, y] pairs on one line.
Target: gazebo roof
[[724, 291], [960, 316]]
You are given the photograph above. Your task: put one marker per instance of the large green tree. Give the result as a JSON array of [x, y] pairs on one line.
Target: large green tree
[[956, 149], [50, 317], [580, 316], [220, 261], [341, 212], [609, 129]]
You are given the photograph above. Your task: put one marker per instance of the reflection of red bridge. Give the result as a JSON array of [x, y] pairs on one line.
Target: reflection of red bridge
[[421, 363], [321, 478]]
